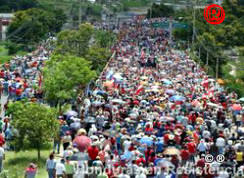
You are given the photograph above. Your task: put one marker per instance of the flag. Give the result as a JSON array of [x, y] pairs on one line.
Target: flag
[[139, 90]]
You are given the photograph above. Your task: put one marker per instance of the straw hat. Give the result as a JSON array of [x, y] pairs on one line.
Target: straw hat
[[81, 132]]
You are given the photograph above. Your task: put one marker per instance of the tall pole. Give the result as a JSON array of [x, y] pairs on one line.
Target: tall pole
[[1, 29], [170, 29], [80, 12], [207, 61], [217, 68], [199, 52], [194, 21], [151, 11]]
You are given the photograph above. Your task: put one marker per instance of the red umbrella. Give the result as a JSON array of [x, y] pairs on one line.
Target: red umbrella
[[18, 79], [82, 142], [236, 107], [195, 103]]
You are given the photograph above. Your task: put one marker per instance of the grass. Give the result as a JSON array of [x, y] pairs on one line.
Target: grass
[[4, 57], [16, 163], [135, 3]]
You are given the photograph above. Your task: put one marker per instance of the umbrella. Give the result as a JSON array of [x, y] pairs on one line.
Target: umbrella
[[236, 107], [99, 92], [168, 62], [167, 82], [213, 105], [177, 98], [144, 77], [179, 76], [164, 163], [171, 151], [117, 76], [108, 84], [109, 75], [18, 79], [195, 103], [71, 113], [165, 119], [170, 91], [211, 80], [146, 140], [241, 99], [127, 155], [199, 120], [82, 142], [119, 101], [220, 81]]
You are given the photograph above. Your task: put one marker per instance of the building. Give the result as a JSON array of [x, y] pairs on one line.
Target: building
[[5, 19], [219, 2]]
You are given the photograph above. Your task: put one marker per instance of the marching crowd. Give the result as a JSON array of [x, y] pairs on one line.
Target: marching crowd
[[153, 110], [152, 107]]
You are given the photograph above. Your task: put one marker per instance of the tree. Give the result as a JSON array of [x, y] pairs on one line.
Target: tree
[[8, 6], [64, 77], [75, 42], [104, 39], [160, 11], [181, 34], [35, 123], [98, 57], [31, 26]]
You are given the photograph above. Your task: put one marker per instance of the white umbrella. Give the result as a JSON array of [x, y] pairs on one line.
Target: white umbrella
[[71, 113], [119, 101], [214, 105]]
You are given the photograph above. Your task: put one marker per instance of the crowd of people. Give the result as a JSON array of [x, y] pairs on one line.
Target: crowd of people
[[20, 78], [153, 111]]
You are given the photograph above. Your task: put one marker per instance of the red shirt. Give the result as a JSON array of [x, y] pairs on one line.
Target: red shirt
[[191, 147], [140, 160], [201, 163], [2, 141], [166, 138], [185, 154], [18, 91], [2, 74], [92, 152]]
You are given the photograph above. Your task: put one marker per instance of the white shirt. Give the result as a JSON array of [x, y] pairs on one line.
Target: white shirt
[[1, 151], [220, 142], [223, 174], [50, 164], [60, 169], [127, 145], [123, 176]]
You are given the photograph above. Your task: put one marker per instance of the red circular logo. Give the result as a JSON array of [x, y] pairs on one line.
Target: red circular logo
[[214, 14]]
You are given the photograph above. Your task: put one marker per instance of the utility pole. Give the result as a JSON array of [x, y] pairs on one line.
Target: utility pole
[[80, 12], [170, 29], [199, 52], [55, 4], [194, 21], [207, 61], [1, 29], [217, 68], [151, 12]]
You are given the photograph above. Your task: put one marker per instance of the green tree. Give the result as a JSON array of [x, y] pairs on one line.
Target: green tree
[[35, 123], [30, 26], [64, 77], [8, 6], [181, 34], [75, 42], [160, 11], [104, 39], [98, 57]]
